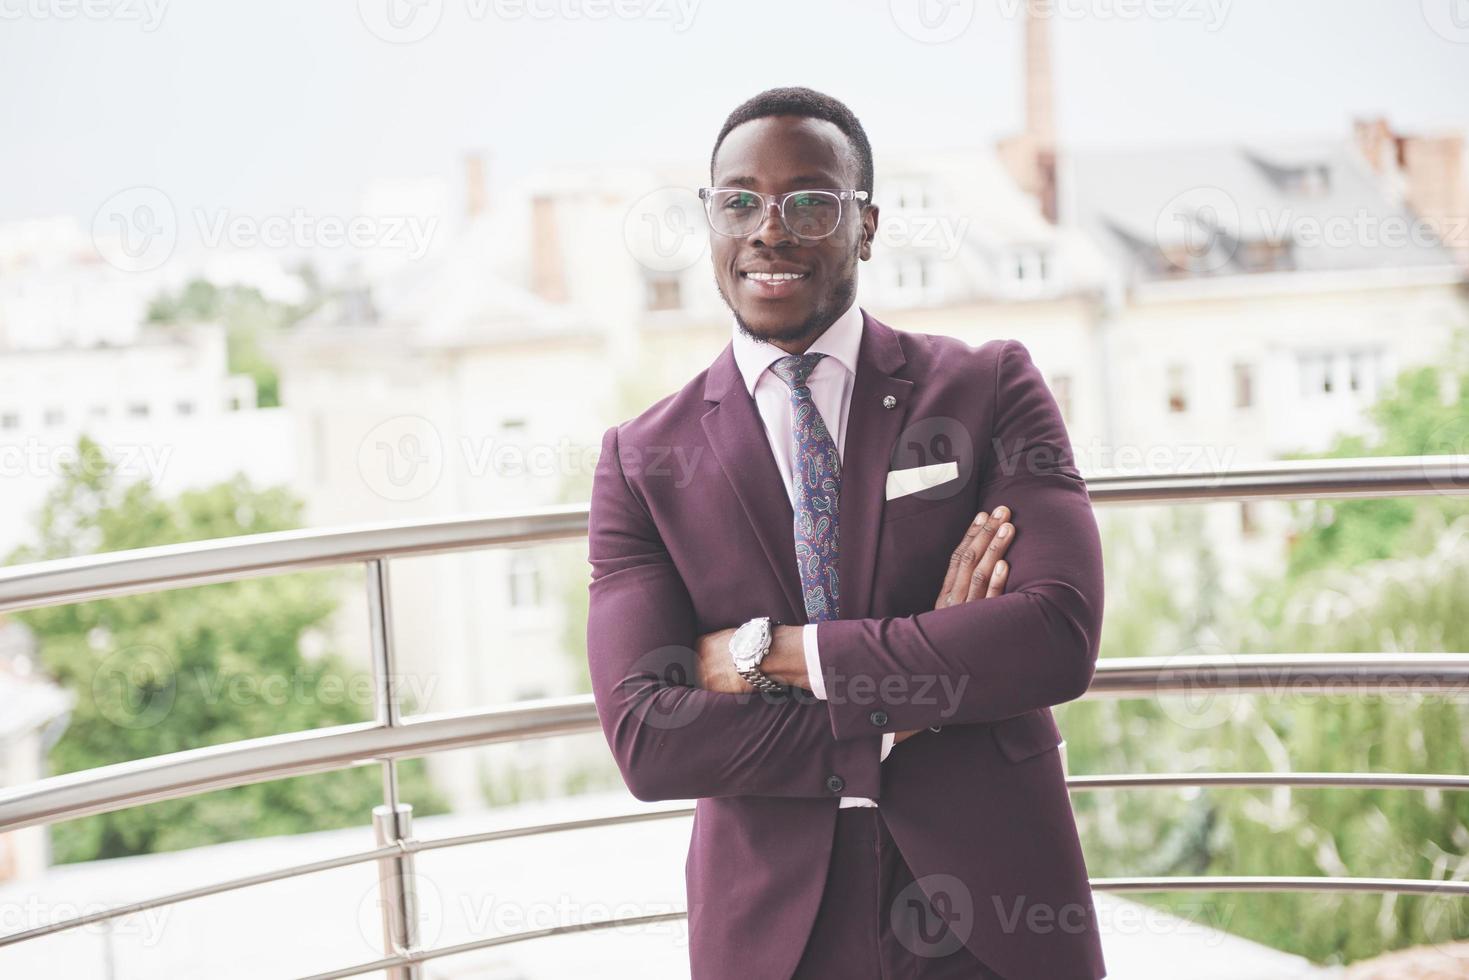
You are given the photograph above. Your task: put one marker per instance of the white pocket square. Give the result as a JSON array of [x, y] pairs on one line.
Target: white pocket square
[[916, 478]]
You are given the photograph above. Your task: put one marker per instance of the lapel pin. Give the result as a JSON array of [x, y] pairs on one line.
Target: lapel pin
[[888, 401]]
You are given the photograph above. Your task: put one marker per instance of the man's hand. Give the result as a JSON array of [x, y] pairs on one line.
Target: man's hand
[[715, 667], [977, 569]]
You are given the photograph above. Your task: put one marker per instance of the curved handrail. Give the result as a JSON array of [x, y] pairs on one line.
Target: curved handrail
[[215, 767], [1224, 883], [224, 559]]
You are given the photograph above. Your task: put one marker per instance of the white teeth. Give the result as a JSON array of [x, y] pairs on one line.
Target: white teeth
[[775, 276]]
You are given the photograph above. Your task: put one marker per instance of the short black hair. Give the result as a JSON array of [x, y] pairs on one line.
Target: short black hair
[[798, 101]]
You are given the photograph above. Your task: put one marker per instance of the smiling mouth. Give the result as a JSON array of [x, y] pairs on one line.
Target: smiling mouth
[[773, 285]]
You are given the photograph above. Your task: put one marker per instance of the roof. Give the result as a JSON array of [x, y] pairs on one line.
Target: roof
[[1221, 210]]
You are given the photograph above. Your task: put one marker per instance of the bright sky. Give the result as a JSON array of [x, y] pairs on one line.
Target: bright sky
[[274, 104]]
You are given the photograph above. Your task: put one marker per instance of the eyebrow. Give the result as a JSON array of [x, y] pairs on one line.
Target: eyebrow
[[815, 180]]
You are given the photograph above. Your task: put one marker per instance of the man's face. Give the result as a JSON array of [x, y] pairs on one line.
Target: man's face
[[774, 155]]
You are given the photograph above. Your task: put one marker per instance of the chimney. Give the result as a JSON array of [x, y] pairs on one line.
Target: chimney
[[1040, 121], [1030, 156], [1424, 172], [476, 200], [1436, 187], [1377, 144], [547, 273]]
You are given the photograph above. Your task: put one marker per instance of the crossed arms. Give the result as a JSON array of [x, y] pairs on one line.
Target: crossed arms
[[1034, 645]]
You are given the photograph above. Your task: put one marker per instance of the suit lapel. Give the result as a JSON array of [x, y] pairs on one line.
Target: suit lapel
[[737, 435], [872, 432]]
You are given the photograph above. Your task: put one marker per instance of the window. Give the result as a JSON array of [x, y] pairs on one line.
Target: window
[[1061, 389], [1249, 521], [1244, 386], [1177, 389], [10, 420], [913, 274], [138, 410], [185, 407], [909, 193], [663, 293], [53, 416], [1357, 370], [1315, 371], [525, 580]]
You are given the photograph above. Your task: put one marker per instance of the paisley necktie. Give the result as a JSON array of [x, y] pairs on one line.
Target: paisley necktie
[[816, 471]]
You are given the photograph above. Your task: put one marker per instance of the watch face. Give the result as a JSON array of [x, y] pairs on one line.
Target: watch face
[[745, 644]]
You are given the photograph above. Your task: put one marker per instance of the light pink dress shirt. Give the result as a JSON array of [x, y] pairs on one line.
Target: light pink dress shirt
[[831, 391]]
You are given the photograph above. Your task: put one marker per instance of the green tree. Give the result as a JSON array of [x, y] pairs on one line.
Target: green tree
[[251, 323], [173, 670], [1425, 413], [1372, 575]]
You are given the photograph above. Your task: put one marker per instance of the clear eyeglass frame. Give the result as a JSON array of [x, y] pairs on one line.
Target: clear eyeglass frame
[[778, 201]]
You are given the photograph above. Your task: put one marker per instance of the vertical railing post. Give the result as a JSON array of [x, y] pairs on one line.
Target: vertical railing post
[[393, 821], [397, 891]]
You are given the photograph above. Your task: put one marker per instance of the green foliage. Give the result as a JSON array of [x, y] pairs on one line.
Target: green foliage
[[167, 671], [251, 322], [1376, 576], [1426, 413]]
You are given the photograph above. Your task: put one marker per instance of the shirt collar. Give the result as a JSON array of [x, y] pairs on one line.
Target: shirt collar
[[840, 341]]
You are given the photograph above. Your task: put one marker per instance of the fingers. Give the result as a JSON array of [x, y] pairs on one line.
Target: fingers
[[966, 543], [977, 553], [983, 573], [997, 580]]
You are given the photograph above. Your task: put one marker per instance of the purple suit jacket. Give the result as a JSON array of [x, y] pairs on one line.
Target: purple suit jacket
[[691, 531]]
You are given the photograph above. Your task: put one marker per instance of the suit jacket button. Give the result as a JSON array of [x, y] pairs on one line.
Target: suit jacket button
[[878, 718], [835, 783]]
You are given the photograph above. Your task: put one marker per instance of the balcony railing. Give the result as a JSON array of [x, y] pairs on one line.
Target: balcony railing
[[391, 736]]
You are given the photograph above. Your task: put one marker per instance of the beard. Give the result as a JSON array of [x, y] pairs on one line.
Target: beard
[[825, 314]]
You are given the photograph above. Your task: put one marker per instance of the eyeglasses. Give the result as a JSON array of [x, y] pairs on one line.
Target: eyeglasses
[[807, 214]]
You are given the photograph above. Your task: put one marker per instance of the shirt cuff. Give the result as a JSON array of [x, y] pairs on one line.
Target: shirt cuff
[[887, 745], [813, 661]]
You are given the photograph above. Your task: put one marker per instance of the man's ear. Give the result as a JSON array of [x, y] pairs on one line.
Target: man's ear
[[869, 232]]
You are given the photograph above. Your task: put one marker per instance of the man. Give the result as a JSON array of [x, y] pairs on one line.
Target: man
[[879, 789]]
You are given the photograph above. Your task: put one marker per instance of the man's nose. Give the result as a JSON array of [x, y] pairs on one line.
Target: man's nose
[[771, 230]]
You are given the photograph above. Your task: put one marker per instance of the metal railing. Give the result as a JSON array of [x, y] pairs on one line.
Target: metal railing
[[391, 736]]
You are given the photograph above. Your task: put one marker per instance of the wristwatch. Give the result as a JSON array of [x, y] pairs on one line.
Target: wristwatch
[[747, 648]]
